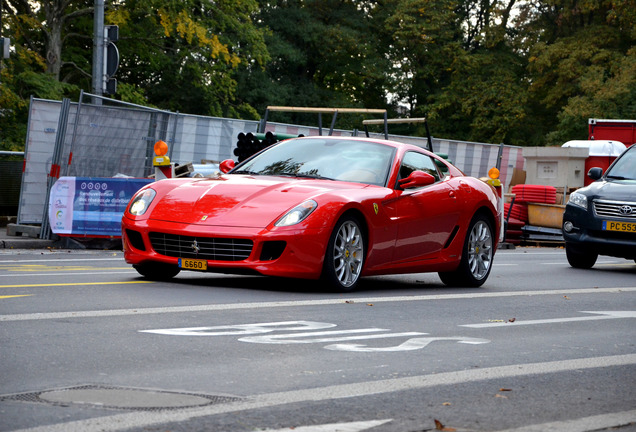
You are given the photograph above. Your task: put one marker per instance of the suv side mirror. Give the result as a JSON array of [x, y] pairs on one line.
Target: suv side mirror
[[595, 173]]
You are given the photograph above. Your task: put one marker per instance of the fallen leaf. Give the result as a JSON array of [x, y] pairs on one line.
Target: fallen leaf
[[512, 319], [440, 426], [349, 301], [495, 320], [566, 297], [505, 389], [369, 304], [446, 404], [501, 396]]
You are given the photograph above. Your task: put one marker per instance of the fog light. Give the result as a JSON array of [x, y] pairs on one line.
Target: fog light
[[568, 226]]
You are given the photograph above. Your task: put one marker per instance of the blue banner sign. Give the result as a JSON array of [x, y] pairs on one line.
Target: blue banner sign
[[91, 206]]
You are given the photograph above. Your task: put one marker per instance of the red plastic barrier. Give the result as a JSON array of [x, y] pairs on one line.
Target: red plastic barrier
[[534, 194]]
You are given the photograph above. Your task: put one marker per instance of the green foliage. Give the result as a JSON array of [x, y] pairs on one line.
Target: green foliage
[[183, 55], [477, 70], [23, 76], [324, 53]]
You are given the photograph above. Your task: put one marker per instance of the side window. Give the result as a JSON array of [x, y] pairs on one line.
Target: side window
[[414, 161]]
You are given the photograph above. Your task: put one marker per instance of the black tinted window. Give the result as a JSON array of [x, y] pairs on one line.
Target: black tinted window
[[414, 161]]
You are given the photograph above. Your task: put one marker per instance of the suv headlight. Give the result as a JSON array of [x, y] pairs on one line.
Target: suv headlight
[[578, 199], [297, 214], [141, 202]]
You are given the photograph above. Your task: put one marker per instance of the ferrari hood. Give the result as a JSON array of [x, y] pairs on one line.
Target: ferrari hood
[[240, 201]]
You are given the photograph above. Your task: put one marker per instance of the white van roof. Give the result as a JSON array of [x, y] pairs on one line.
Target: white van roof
[[599, 147]]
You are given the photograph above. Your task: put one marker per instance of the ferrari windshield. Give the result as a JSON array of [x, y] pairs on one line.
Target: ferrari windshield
[[624, 168], [334, 159]]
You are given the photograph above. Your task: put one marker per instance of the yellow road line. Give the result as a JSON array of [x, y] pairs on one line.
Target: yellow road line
[[73, 284], [30, 268], [11, 296]]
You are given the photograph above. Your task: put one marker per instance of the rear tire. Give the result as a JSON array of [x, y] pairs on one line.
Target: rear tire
[[157, 271], [477, 256], [345, 255], [580, 259]]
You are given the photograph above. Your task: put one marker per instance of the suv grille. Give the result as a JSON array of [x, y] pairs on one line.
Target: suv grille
[[216, 249], [615, 209]]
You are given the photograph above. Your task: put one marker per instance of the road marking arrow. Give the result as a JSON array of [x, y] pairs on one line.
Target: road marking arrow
[[599, 315]]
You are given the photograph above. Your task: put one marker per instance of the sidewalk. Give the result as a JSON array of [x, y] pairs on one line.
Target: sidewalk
[[26, 242], [10, 241]]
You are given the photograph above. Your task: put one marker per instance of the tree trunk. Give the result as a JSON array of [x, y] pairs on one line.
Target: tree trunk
[[54, 15]]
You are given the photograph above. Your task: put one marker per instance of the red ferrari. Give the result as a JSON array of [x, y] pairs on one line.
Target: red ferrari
[[335, 208]]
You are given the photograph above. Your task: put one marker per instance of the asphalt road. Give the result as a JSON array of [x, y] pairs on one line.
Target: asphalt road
[[88, 345]]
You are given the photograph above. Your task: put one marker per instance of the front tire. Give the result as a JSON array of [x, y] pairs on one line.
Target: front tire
[[580, 259], [345, 255], [157, 271], [477, 256]]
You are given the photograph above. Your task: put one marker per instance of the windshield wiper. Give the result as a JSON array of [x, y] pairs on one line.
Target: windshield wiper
[[244, 172], [615, 177], [301, 175]]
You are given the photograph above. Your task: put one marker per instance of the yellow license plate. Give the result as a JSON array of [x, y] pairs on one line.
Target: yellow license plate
[[619, 226], [193, 264]]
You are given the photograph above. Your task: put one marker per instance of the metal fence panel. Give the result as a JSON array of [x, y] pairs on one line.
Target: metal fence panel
[[40, 142], [106, 140]]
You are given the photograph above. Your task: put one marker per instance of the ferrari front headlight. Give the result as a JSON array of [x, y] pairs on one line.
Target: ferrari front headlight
[[141, 202], [297, 214]]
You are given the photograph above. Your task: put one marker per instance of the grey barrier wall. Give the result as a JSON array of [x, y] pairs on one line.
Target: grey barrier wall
[[117, 139]]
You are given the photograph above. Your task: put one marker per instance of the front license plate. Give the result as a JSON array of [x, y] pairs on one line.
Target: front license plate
[[193, 264], [619, 226]]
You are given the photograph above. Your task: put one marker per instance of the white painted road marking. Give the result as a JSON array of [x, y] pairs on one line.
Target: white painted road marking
[[142, 419], [243, 329], [409, 345], [600, 315], [327, 336], [585, 424], [333, 427], [331, 301], [306, 337]]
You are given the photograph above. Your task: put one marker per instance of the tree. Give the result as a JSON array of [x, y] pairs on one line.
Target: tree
[[179, 55], [581, 64], [183, 55], [44, 27], [323, 53]]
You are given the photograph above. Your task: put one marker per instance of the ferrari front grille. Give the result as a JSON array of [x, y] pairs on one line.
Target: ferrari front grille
[[210, 248], [615, 209]]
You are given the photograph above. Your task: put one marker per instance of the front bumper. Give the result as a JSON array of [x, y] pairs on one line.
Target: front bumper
[[284, 252], [588, 235]]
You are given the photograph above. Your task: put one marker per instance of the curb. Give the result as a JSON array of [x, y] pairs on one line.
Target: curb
[[29, 244]]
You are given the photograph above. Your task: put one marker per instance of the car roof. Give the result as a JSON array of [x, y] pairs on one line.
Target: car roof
[[391, 143]]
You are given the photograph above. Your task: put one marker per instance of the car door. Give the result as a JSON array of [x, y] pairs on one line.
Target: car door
[[425, 216]]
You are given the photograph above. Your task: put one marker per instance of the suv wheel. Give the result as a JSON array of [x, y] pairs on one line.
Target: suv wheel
[[580, 259]]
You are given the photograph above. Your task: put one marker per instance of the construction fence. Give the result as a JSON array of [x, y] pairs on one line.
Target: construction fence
[[100, 137]]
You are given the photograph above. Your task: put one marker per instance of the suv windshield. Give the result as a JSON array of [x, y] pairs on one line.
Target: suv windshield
[[624, 168], [345, 159]]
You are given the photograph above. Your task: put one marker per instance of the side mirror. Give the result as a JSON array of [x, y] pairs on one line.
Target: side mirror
[[227, 165], [416, 179], [595, 173]]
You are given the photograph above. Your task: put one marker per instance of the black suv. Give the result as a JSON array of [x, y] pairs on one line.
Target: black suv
[[600, 219]]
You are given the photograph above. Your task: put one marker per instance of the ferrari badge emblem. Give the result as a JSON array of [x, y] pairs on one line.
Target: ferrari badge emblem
[[195, 247], [375, 208], [204, 217]]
